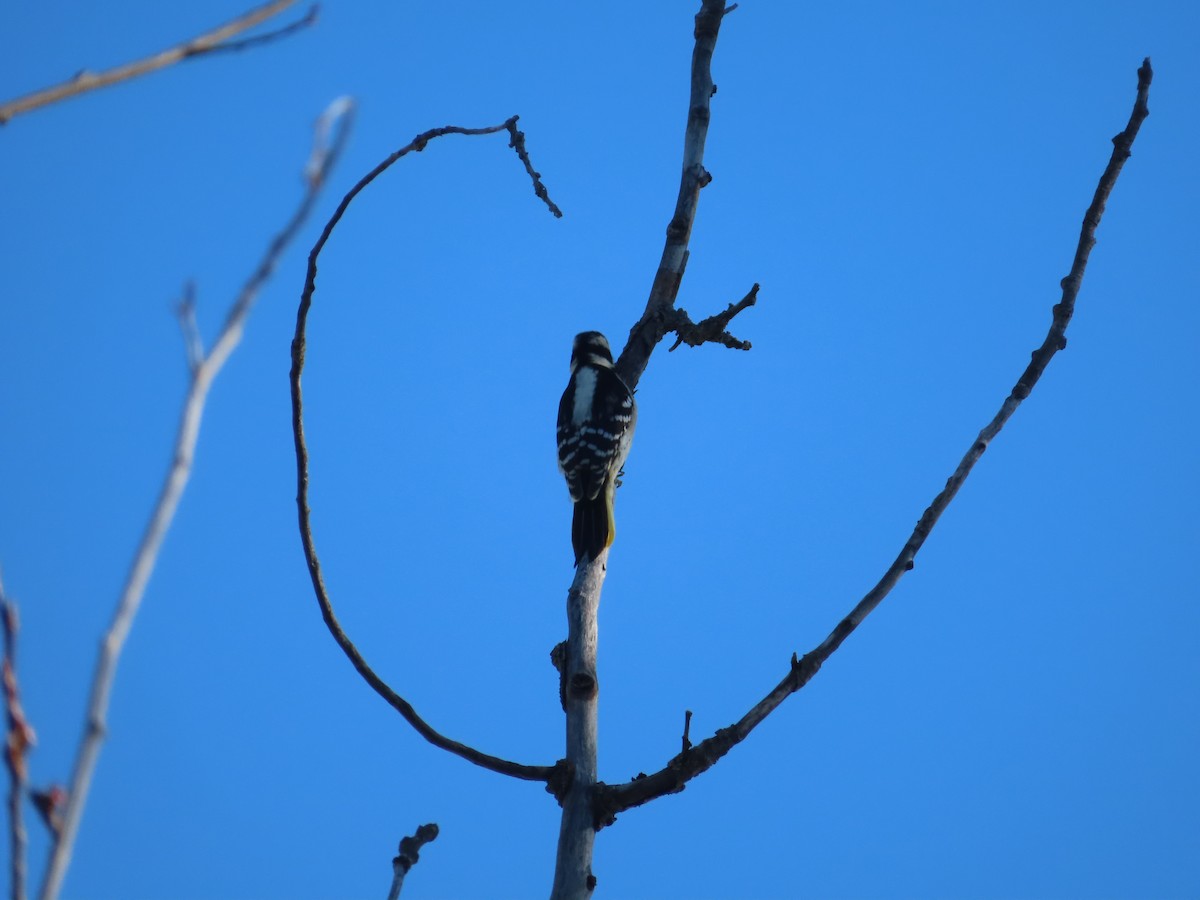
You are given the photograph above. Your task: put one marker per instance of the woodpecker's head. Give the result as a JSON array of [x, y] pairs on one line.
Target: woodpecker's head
[[591, 349]]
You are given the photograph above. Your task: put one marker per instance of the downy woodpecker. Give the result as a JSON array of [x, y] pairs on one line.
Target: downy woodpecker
[[596, 418]]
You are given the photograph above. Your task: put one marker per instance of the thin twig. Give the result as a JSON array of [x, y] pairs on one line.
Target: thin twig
[[398, 703], [19, 737], [612, 799], [713, 329], [216, 40], [660, 315], [517, 142], [193, 346], [307, 21], [161, 516], [49, 804], [410, 852]]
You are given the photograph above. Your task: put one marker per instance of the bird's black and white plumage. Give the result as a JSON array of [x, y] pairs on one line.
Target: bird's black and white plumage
[[596, 419]]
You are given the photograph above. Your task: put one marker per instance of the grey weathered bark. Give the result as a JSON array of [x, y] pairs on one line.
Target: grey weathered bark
[[573, 879], [220, 39]]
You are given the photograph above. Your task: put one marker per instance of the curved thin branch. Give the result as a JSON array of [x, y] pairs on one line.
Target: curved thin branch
[[613, 799], [398, 703], [217, 40], [202, 370], [660, 315]]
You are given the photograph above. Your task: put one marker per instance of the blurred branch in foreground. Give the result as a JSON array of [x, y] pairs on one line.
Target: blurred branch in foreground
[[203, 368], [215, 41]]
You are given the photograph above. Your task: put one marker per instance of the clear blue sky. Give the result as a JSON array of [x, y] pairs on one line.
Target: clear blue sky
[[1021, 718]]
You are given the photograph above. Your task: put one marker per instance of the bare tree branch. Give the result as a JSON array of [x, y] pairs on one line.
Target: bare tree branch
[[49, 804], [712, 330], [19, 737], [202, 374], [613, 799], [660, 315], [573, 876], [517, 142], [580, 688], [215, 41], [410, 852], [299, 342]]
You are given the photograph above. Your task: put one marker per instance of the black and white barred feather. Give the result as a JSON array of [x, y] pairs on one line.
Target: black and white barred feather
[[596, 419]]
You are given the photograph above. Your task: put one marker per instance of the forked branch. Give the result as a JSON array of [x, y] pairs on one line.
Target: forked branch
[[203, 369], [613, 799], [660, 316], [299, 343], [220, 39]]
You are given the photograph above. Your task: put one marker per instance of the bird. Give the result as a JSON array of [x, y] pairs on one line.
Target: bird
[[596, 419]]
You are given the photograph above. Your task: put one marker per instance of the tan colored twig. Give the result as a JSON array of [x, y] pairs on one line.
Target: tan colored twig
[[217, 40], [612, 799], [204, 367], [410, 852]]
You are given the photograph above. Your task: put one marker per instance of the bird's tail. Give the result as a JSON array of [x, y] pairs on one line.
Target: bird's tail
[[592, 526]]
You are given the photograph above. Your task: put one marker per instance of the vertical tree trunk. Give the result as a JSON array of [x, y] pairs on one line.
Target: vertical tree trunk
[[573, 879]]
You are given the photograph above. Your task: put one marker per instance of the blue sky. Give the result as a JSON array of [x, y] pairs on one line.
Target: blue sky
[[1021, 717]]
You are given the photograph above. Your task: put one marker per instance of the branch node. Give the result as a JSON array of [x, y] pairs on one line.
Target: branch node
[[410, 847], [687, 727], [49, 805], [713, 329], [217, 40], [185, 310], [562, 773], [583, 686]]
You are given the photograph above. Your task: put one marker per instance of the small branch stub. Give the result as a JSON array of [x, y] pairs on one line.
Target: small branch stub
[[218, 40], [713, 329], [299, 343], [410, 852]]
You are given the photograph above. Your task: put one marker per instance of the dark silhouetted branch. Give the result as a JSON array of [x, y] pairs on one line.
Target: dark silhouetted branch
[[713, 329], [660, 316], [613, 799], [203, 369], [215, 41], [410, 852], [398, 703], [517, 142]]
